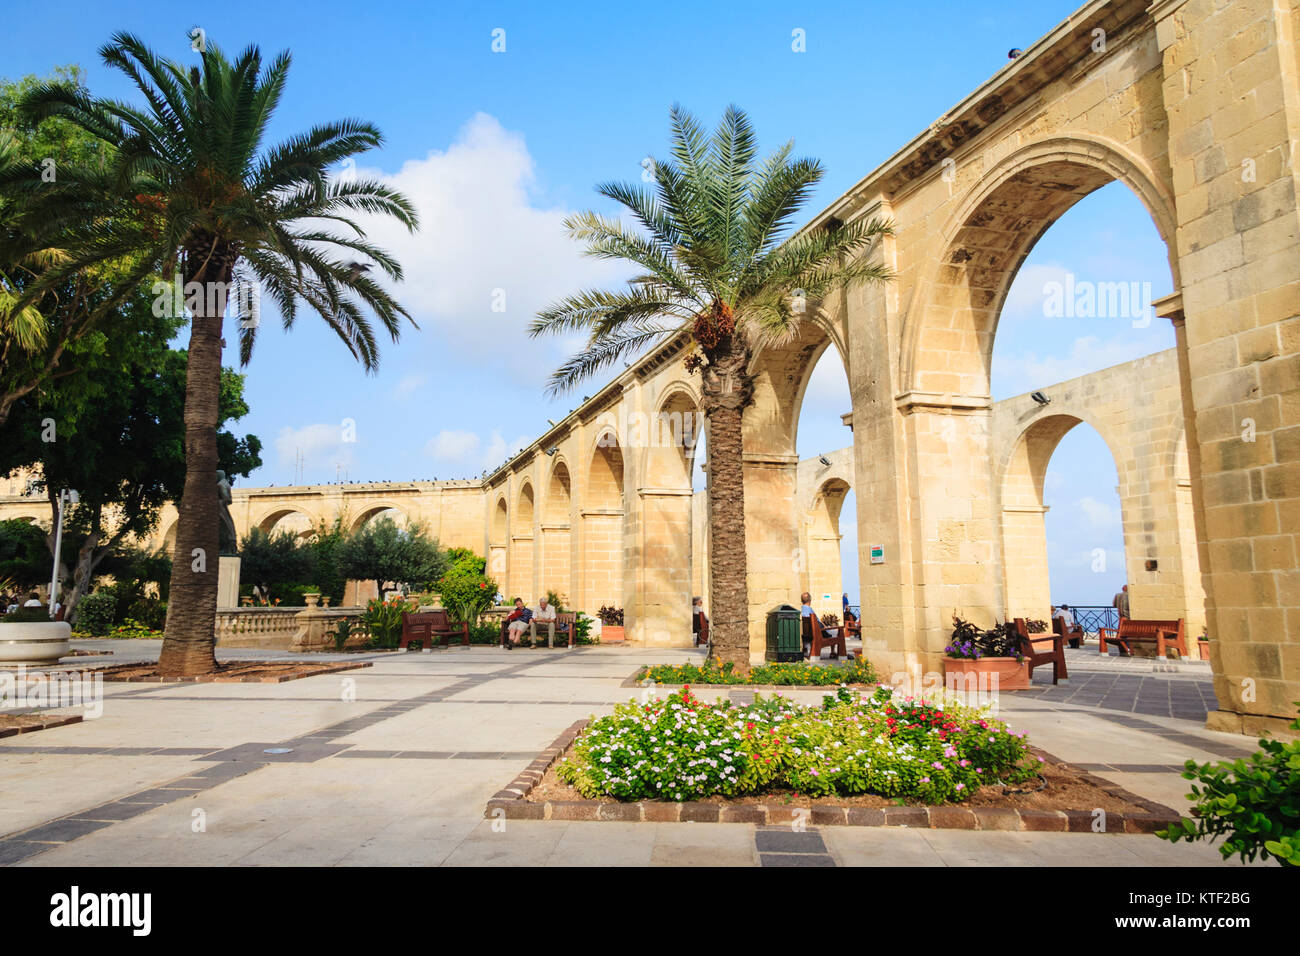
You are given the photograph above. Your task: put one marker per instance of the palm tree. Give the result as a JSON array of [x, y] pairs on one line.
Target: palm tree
[[717, 264], [189, 189]]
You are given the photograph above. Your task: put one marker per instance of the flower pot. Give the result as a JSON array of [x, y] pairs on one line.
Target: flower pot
[[1204, 648], [611, 633], [985, 673], [34, 642], [325, 600], [310, 598]]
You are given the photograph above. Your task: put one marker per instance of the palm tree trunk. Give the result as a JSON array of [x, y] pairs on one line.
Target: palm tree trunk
[[189, 644], [726, 391]]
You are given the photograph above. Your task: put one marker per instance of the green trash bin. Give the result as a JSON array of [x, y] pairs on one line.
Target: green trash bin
[[784, 639]]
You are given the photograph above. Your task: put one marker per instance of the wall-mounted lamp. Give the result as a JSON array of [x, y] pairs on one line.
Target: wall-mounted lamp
[[1040, 398], [824, 460], [553, 449]]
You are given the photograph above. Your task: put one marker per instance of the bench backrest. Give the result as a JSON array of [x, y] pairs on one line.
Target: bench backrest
[[1128, 627]]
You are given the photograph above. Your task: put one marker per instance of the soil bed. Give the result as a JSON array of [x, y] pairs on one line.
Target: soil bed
[[11, 724], [251, 672]]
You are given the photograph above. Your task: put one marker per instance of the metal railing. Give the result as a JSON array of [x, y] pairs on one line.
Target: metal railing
[[1093, 618]]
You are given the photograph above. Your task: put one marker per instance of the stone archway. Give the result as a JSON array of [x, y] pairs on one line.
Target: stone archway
[[521, 546], [603, 514], [556, 533]]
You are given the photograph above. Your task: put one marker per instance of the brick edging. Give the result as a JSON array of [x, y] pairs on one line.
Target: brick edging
[[332, 667], [512, 803], [60, 721]]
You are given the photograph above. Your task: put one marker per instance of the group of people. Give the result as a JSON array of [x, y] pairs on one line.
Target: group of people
[[11, 604], [522, 619]]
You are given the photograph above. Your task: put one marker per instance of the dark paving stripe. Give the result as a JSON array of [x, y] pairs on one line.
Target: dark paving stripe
[[795, 859]]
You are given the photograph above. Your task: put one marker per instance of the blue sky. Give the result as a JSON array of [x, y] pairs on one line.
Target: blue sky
[[497, 148]]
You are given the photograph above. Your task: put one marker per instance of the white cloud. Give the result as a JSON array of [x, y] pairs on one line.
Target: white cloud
[[1027, 371], [408, 385], [484, 241], [1026, 296], [321, 446], [468, 450], [1099, 514]]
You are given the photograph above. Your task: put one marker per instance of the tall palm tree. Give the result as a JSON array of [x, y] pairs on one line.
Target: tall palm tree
[[718, 263], [189, 189]]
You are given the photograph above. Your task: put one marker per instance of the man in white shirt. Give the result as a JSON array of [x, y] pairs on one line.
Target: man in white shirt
[[1067, 618], [545, 614]]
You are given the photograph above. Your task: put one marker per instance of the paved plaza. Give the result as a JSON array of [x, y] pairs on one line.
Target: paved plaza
[[176, 774]]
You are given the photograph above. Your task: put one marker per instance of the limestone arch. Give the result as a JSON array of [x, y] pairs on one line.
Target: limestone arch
[[374, 510], [1020, 483], [987, 239], [603, 514], [302, 525], [821, 567], [499, 540], [556, 531]]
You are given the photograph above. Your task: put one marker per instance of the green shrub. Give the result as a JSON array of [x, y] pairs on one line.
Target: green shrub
[[149, 611], [97, 612], [133, 630], [343, 631], [383, 619], [857, 671], [27, 615], [1255, 803], [684, 749], [485, 633], [466, 594]]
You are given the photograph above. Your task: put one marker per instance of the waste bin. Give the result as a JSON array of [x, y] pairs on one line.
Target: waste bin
[[784, 640]]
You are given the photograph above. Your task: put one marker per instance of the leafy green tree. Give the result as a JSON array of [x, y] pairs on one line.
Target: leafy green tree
[[120, 444], [24, 556], [188, 187], [718, 265], [49, 332], [273, 561], [382, 551], [325, 545]]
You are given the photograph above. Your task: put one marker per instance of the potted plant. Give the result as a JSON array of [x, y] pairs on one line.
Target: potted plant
[[975, 657], [310, 595], [28, 636], [611, 624], [1203, 645]]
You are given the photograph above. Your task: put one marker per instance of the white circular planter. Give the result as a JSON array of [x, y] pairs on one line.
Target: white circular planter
[[34, 642]]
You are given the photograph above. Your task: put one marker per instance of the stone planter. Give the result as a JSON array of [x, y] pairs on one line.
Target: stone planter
[[34, 642], [611, 633], [310, 598], [1204, 648], [966, 674]]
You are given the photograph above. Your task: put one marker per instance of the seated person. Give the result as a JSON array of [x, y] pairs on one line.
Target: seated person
[[805, 622], [699, 621], [516, 624], [544, 615]]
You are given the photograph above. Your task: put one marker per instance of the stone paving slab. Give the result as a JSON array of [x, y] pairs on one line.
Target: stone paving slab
[[401, 775]]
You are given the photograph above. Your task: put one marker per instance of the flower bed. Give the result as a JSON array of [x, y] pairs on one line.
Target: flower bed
[[857, 671], [682, 748]]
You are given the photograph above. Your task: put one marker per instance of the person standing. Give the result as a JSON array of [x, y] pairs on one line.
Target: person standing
[[699, 623], [1121, 603]]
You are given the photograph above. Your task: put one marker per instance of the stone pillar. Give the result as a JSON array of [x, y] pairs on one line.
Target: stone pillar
[[228, 581], [1232, 97], [663, 569], [774, 559]]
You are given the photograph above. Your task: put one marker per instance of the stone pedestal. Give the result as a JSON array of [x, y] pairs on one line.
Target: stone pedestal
[[228, 581]]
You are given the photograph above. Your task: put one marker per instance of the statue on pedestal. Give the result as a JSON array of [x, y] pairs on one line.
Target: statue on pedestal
[[229, 540]]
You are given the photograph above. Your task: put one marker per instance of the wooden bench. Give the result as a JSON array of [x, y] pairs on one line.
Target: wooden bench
[[701, 635], [1163, 634], [816, 635], [1035, 655], [1074, 633], [427, 628]]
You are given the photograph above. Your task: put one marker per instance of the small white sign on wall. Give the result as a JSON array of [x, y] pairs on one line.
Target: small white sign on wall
[[877, 554]]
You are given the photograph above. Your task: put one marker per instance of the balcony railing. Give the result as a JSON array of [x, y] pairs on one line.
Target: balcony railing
[[1093, 618]]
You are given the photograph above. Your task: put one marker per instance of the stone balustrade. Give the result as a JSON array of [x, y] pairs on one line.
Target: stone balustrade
[[280, 628]]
